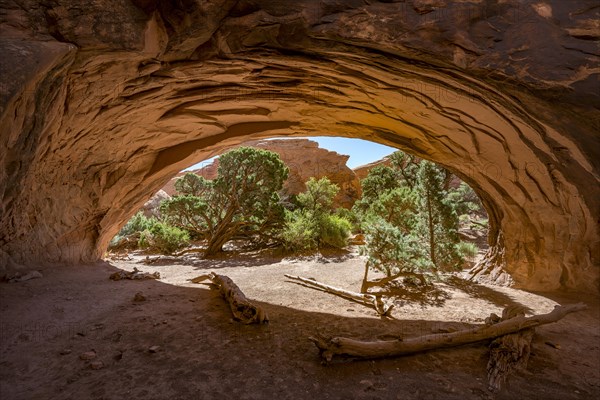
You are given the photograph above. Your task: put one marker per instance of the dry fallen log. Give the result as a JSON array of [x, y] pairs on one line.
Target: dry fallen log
[[241, 308], [135, 274], [508, 353], [341, 346], [380, 306]]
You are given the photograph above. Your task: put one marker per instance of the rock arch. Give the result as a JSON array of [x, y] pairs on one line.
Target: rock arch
[[102, 104]]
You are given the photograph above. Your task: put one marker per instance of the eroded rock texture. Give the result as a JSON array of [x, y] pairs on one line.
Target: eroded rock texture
[[304, 160], [103, 102], [363, 170]]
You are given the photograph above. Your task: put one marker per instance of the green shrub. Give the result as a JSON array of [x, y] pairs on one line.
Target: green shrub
[[315, 223], [146, 240], [299, 232], [304, 231], [164, 238], [138, 223], [350, 216], [128, 236], [467, 250], [334, 231], [392, 251]]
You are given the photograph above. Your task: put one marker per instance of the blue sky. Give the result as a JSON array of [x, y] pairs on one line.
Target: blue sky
[[360, 151]]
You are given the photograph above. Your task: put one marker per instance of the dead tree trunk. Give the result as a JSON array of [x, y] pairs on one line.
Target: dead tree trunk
[[241, 308], [330, 347], [508, 353], [380, 306], [365, 282]]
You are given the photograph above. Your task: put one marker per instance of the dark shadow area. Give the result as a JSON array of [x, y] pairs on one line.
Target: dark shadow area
[[238, 258], [568, 297], [331, 255], [484, 292], [242, 258]]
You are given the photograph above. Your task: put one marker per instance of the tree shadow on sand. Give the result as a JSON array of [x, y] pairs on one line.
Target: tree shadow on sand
[[323, 256], [424, 295], [245, 258], [478, 291], [233, 258]]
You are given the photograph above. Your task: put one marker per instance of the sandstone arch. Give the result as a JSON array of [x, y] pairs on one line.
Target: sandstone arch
[[102, 104]]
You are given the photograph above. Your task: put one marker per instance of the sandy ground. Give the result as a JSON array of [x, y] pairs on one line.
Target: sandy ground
[[47, 323]]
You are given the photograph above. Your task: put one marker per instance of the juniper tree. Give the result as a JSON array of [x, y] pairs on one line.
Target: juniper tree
[[241, 202], [410, 223], [314, 224]]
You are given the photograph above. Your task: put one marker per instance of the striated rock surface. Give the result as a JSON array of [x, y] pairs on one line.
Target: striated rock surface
[[304, 159], [102, 103]]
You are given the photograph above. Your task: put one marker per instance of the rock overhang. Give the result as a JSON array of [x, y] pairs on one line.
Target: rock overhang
[[497, 92]]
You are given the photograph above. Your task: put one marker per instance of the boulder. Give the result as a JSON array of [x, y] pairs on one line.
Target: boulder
[[151, 208]]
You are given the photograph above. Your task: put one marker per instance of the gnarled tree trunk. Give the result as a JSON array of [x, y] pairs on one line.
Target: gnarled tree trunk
[[241, 308]]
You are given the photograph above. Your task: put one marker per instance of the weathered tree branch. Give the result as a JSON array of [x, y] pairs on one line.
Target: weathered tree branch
[[241, 308], [380, 306], [330, 347]]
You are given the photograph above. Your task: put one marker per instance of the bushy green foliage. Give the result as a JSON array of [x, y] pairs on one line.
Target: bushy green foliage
[[186, 212], [467, 250], [349, 216], [318, 196], [410, 217], [407, 167], [315, 223], [163, 238], [334, 231], [393, 251], [242, 202], [379, 180], [465, 200], [138, 223], [438, 222], [127, 238], [398, 207], [149, 233], [300, 232]]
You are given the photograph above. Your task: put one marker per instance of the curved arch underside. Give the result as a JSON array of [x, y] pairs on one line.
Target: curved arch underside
[[95, 119]]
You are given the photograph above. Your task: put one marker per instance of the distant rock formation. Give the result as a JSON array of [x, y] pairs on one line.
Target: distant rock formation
[[305, 159], [362, 171], [151, 208]]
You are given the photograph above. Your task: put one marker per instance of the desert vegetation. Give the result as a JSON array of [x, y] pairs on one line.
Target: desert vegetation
[[408, 217]]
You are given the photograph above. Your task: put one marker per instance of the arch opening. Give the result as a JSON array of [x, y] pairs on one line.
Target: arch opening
[[346, 163]]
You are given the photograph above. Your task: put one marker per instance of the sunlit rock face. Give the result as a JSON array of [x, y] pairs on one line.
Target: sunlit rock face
[[103, 102], [363, 170], [304, 159], [151, 208]]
